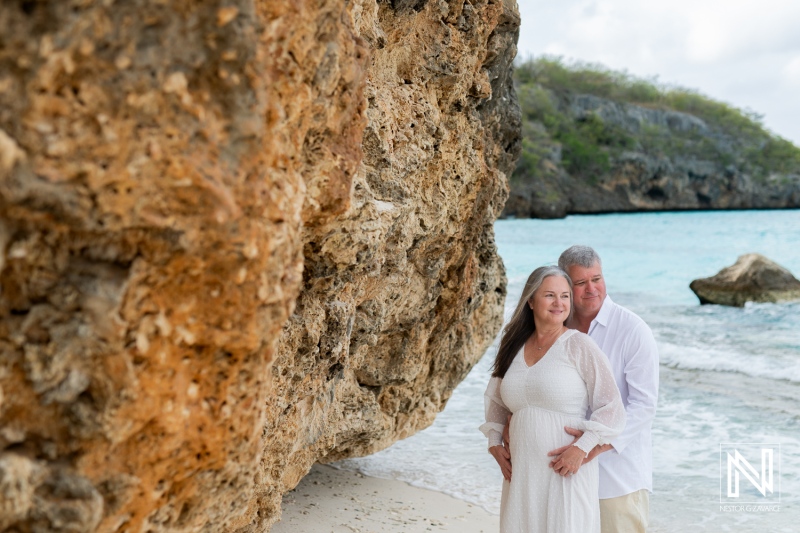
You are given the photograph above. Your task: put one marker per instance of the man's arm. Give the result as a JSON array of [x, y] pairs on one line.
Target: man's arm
[[641, 376]]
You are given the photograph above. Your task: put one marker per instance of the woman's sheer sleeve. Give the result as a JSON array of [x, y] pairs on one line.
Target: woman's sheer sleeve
[[496, 413], [607, 419]]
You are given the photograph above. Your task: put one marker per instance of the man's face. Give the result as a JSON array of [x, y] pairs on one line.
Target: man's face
[[589, 288]]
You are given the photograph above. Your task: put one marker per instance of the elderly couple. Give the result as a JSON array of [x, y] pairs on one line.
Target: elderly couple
[[570, 405]]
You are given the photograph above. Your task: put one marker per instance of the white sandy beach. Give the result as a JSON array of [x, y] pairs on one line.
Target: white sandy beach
[[329, 500]]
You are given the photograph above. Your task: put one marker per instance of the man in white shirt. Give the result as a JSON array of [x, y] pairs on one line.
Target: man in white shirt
[[626, 467]]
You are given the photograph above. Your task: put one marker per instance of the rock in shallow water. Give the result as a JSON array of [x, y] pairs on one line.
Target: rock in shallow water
[[753, 278]]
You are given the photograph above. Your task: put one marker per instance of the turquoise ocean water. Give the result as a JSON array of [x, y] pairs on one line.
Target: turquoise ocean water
[[727, 375]]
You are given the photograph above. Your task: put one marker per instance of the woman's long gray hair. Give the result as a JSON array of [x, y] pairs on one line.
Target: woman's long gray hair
[[521, 326]]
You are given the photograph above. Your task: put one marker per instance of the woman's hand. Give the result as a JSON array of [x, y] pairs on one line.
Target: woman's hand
[[569, 461], [503, 458], [577, 433]]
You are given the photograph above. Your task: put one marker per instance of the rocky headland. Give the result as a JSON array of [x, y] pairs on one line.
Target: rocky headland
[[600, 141], [238, 239]]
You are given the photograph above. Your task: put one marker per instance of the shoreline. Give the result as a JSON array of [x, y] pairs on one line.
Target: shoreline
[[329, 500], [645, 211]]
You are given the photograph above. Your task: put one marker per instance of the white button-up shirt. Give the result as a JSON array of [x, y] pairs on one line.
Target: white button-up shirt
[[631, 349]]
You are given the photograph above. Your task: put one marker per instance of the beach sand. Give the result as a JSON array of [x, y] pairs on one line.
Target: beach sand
[[329, 500]]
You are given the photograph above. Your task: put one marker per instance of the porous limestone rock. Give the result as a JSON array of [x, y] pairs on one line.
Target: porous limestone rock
[[403, 292], [753, 278], [238, 238], [151, 194]]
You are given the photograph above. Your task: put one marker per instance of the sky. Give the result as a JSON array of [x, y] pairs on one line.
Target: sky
[[743, 52]]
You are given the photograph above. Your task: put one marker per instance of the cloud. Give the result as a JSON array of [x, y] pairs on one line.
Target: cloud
[[791, 72], [743, 52]]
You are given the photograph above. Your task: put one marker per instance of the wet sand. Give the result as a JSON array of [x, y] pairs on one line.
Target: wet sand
[[329, 500]]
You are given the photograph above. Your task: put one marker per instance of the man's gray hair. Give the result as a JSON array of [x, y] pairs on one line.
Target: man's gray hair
[[584, 256]]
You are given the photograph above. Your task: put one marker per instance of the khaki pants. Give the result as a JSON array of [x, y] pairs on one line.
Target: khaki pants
[[625, 514]]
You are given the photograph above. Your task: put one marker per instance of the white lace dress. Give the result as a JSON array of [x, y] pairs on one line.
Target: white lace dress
[[571, 381]]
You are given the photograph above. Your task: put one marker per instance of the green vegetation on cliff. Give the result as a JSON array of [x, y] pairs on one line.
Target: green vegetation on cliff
[[582, 123]]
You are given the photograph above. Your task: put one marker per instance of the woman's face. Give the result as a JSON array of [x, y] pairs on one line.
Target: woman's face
[[550, 303]]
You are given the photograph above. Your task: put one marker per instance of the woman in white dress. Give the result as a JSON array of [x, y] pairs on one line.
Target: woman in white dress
[[549, 377]]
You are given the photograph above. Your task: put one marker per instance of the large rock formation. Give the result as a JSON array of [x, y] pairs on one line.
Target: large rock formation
[[644, 160], [403, 292], [238, 238], [753, 278]]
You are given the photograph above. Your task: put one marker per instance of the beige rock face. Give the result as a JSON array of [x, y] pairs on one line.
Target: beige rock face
[[403, 292], [237, 239], [753, 278]]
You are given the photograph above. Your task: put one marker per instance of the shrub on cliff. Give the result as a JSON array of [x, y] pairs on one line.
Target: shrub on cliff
[[736, 135], [598, 140]]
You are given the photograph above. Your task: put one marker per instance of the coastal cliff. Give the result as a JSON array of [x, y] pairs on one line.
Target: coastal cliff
[[238, 239], [602, 141]]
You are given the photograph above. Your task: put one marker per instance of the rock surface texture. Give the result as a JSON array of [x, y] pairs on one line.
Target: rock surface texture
[[706, 168], [403, 291], [753, 278], [238, 238]]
